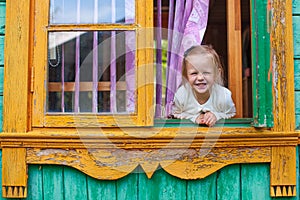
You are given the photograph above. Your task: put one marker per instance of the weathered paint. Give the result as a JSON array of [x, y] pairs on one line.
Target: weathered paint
[[2, 18], [282, 63], [257, 174], [17, 33], [247, 182], [262, 84]]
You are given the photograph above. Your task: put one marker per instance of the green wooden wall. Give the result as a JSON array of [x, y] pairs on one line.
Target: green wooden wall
[[296, 27], [235, 182]]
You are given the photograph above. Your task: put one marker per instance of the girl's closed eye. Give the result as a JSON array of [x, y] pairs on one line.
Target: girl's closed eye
[[206, 73]]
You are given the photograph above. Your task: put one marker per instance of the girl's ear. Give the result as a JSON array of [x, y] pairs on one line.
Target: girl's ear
[[219, 76], [219, 71]]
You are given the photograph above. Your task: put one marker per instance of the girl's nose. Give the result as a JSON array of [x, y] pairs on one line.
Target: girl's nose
[[200, 76]]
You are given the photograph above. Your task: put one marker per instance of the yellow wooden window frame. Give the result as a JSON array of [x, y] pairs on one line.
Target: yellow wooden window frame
[[144, 71], [23, 144]]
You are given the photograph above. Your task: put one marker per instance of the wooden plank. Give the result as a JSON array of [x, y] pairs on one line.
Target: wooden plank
[[1, 50], [141, 61], [2, 17], [228, 183], [161, 186], [53, 182], [235, 54], [298, 172], [17, 66], [298, 121], [89, 27], [90, 120], [35, 182], [84, 86], [283, 66], [101, 190], [297, 83], [39, 59], [1, 174], [1, 81], [297, 65], [296, 7], [127, 187], [149, 64], [202, 189], [297, 99], [283, 171], [14, 173], [255, 181], [261, 68], [74, 184], [296, 29], [1, 111]]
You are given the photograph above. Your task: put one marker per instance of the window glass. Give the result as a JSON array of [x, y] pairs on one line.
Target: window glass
[[91, 11], [91, 71]]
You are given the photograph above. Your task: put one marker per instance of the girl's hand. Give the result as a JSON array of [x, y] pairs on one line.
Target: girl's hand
[[200, 118], [207, 118]]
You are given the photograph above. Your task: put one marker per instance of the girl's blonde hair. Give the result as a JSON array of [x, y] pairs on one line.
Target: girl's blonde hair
[[204, 51]]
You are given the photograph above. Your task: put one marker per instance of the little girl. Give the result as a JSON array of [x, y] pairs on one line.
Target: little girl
[[201, 96]]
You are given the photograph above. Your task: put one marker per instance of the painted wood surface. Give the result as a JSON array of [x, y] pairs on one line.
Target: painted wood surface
[[247, 181], [262, 86], [2, 17], [296, 30], [17, 56], [1, 50], [240, 182]]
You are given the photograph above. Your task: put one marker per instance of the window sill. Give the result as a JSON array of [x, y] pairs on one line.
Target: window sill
[[174, 135], [234, 122]]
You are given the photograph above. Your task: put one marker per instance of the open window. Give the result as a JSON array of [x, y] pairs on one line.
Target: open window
[[239, 32], [98, 66]]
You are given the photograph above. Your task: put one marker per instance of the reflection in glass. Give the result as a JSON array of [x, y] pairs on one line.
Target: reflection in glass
[[91, 72], [91, 11]]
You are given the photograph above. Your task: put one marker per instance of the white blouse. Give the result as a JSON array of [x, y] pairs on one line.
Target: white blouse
[[186, 106]]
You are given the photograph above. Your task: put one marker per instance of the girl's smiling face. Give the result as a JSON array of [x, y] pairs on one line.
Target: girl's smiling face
[[200, 73]]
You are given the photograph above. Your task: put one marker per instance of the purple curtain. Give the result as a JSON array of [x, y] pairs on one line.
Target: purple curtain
[[158, 111], [187, 25], [130, 57]]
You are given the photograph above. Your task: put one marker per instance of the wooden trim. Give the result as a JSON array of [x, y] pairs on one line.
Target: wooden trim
[[180, 152], [91, 120], [92, 27], [283, 171], [17, 52], [84, 86], [283, 167], [149, 74], [298, 132], [145, 78], [141, 62], [234, 47], [185, 164], [283, 65], [147, 138], [14, 173], [144, 71], [39, 61]]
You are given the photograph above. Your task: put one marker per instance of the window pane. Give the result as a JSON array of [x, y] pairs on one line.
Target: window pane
[[91, 11], [91, 72]]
